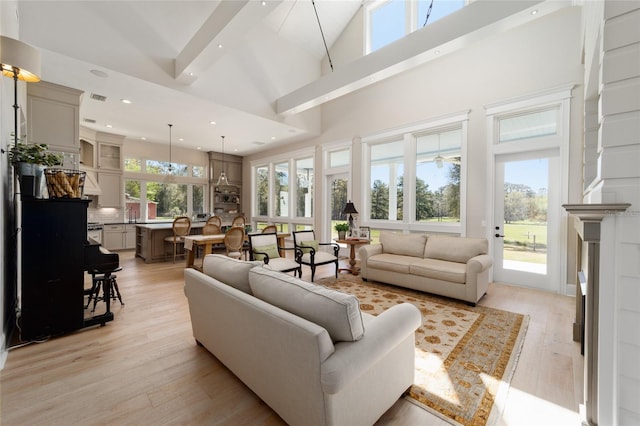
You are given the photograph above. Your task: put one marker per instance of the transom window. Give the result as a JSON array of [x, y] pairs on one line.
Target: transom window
[[390, 20]]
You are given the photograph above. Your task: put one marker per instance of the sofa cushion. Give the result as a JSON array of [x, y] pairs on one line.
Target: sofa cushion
[[229, 271], [338, 313], [454, 249], [404, 244], [271, 250], [390, 262], [440, 270], [311, 243]]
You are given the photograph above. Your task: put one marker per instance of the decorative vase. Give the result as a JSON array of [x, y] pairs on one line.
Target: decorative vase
[[342, 235], [30, 177]]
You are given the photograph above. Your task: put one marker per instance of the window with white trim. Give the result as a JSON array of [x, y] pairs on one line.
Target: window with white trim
[[416, 177]]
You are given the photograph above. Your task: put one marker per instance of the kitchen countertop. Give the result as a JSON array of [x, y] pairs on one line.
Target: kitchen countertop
[[166, 225]]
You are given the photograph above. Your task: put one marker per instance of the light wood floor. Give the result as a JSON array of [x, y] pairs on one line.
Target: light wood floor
[[144, 368]]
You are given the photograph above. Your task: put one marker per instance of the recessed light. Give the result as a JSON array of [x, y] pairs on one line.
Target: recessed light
[[198, 148], [273, 138], [99, 73], [181, 139], [109, 126], [220, 46], [125, 101], [143, 138], [264, 3], [190, 74], [212, 122], [534, 12], [437, 52]]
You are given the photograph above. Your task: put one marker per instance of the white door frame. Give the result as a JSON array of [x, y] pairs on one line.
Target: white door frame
[[561, 98], [550, 281]]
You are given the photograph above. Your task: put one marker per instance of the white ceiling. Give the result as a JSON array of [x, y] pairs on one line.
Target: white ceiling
[[262, 87], [268, 51]]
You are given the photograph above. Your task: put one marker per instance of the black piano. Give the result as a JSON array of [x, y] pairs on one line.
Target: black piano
[[55, 255]]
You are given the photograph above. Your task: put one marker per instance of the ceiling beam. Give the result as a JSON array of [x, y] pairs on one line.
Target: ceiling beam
[[479, 19], [229, 22]]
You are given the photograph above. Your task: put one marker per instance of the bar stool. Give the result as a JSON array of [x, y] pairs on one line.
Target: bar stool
[[107, 280]]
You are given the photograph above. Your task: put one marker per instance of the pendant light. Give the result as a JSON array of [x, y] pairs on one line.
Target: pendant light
[[169, 177], [222, 180]]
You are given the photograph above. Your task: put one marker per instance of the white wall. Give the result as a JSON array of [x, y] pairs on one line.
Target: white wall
[[617, 52], [8, 28], [536, 57]]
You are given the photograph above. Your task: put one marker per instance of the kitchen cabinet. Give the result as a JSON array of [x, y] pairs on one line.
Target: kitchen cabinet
[[109, 156], [151, 246], [232, 167], [112, 192], [54, 116], [226, 201], [119, 236]]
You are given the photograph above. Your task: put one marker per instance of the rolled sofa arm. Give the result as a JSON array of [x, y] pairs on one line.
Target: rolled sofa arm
[[365, 252], [479, 264], [383, 333]]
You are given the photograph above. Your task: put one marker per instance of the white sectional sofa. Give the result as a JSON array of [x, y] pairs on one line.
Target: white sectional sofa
[[305, 350], [456, 267]]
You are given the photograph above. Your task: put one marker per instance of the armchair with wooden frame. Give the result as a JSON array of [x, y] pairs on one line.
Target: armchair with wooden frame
[[310, 253], [265, 247]]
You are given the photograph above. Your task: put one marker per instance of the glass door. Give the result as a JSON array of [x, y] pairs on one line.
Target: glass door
[[526, 220]]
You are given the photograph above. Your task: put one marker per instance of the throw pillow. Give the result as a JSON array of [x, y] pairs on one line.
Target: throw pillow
[[311, 243], [230, 271], [403, 244], [336, 312], [271, 250]]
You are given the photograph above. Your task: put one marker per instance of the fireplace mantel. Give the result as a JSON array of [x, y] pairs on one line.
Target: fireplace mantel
[[595, 212], [587, 309]]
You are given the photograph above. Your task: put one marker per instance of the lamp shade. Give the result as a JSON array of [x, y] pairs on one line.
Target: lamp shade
[[19, 59], [349, 208]]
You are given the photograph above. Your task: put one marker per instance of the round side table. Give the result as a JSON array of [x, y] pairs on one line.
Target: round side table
[[352, 243]]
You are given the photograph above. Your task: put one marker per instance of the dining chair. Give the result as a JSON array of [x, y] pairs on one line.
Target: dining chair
[[211, 229], [309, 251], [270, 229], [181, 228], [233, 241], [265, 247], [215, 220], [239, 221]]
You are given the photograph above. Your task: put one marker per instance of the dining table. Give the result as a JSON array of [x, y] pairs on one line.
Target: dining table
[[191, 242]]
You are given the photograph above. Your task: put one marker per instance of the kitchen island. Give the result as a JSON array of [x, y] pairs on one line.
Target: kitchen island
[[150, 244]]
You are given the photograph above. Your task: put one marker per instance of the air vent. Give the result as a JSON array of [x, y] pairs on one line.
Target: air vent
[[97, 97], [89, 120]]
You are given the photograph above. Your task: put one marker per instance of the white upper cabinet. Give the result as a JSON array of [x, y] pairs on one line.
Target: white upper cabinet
[[53, 116]]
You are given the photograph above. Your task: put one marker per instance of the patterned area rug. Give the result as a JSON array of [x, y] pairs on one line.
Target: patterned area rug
[[465, 356]]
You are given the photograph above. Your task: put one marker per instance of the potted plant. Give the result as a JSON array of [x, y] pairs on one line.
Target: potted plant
[[342, 228], [30, 161]]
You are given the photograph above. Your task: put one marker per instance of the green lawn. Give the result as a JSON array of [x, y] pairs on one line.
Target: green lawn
[[525, 242]]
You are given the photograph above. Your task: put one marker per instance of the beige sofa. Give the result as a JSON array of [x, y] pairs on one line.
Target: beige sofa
[[305, 350], [455, 267]]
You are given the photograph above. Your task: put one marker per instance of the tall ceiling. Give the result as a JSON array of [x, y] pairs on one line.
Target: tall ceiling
[[251, 67], [188, 63]]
